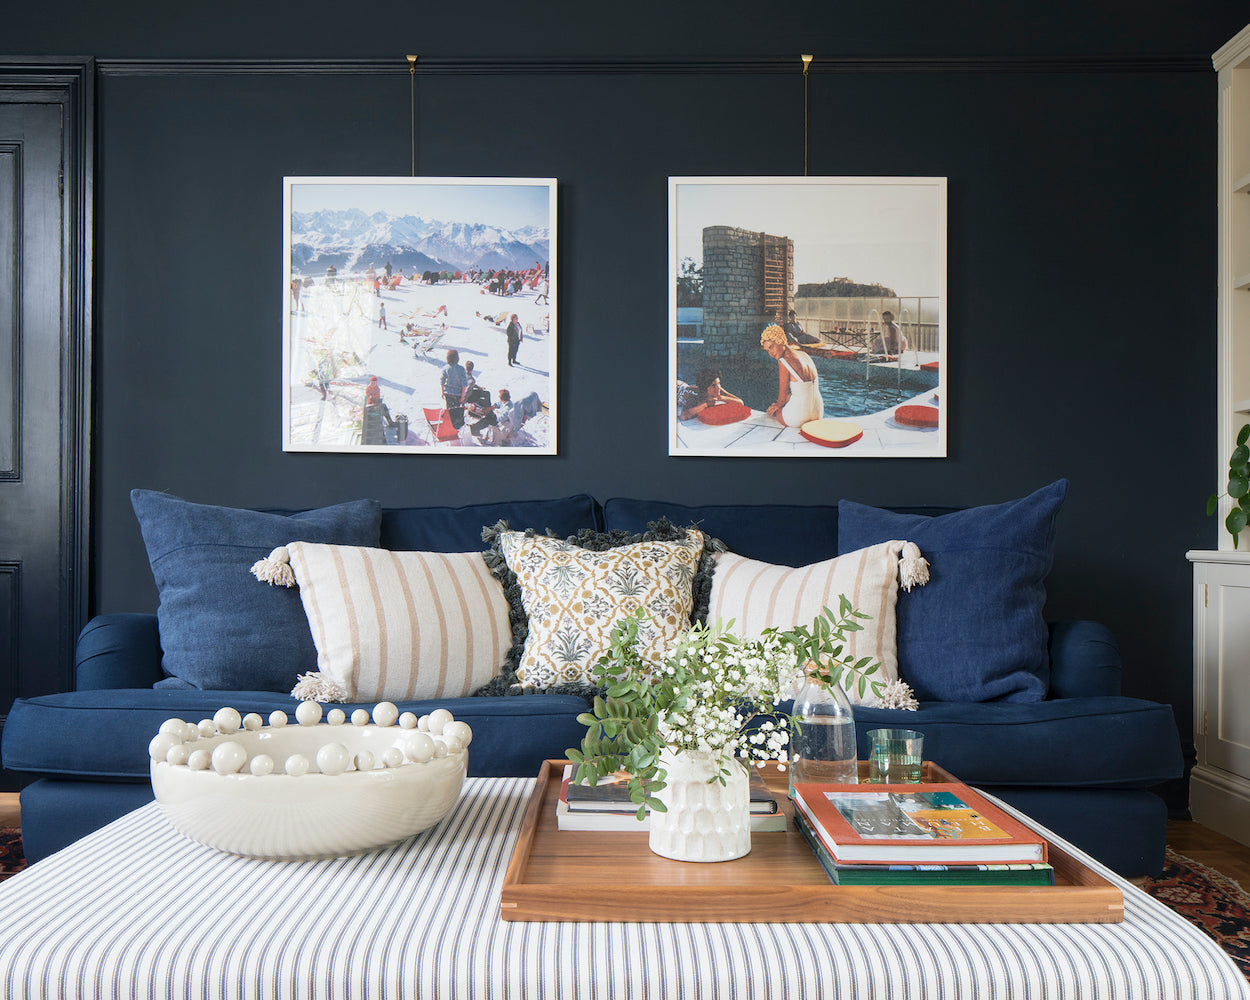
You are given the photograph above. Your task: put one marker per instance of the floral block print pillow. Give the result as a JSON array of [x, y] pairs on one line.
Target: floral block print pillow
[[573, 597]]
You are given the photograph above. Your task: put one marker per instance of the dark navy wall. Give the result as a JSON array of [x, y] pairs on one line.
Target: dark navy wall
[[1081, 251]]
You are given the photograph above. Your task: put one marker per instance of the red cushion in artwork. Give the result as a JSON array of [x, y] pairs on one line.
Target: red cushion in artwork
[[724, 413], [917, 416], [831, 433]]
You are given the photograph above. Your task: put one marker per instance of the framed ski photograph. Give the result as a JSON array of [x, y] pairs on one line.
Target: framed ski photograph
[[807, 317], [419, 315]]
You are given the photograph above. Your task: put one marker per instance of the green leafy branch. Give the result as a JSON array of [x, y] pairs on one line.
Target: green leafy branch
[[1238, 486], [623, 728], [823, 644], [623, 725]]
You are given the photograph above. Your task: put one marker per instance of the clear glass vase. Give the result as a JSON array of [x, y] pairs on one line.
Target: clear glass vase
[[822, 737]]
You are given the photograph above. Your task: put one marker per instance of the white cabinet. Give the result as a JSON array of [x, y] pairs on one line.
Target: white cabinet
[[1232, 62], [1219, 785]]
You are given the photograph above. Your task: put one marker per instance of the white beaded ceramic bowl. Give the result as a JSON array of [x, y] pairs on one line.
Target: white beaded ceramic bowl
[[308, 789]]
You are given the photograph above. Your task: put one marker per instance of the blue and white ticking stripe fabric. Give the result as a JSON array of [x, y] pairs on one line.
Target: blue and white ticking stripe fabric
[[136, 911]]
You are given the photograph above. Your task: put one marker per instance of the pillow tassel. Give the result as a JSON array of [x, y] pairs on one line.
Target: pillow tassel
[[913, 567], [316, 686], [275, 569]]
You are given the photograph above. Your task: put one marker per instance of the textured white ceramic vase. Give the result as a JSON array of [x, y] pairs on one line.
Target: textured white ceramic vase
[[705, 820]]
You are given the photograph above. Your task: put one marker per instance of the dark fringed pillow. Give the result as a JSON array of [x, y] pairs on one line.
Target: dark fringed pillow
[[507, 681]]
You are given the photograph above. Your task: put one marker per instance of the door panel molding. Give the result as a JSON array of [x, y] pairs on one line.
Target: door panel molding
[[68, 85]]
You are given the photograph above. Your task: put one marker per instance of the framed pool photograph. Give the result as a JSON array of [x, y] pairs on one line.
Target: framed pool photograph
[[419, 315], [807, 317]]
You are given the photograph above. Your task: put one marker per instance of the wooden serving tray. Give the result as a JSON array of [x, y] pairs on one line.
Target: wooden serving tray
[[613, 876]]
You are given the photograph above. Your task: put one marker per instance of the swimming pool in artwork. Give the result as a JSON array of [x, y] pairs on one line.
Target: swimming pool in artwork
[[843, 385]]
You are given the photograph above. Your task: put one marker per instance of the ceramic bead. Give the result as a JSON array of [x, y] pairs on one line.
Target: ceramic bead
[[336, 716], [360, 717], [252, 722], [207, 728], [440, 748], [175, 727], [407, 721], [385, 713], [392, 756], [333, 758], [160, 744], [190, 731], [423, 723], [461, 731], [200, 760], [178, 754], [296, 765], [278, 719], [439, 719], [228, 757], [261, 764], [452, 743], [308, 713], [364, 761], [418, 747], [227, 720]]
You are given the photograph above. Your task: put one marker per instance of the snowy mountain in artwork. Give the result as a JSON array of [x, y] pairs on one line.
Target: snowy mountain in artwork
[[351, 241]]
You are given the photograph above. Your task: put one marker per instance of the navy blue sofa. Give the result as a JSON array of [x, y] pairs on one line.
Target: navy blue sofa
[[1082, 761]]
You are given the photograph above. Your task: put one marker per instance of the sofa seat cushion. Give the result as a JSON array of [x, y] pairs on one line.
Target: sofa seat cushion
[[1108, 742], [104, 734]]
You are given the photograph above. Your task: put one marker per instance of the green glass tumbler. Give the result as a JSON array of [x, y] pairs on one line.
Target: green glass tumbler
[[895, 756]]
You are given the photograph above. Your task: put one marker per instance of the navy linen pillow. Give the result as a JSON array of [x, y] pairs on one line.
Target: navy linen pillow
[[220, 630], [975, 632]]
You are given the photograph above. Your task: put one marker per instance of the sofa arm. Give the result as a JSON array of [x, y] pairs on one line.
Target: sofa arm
[[118, 651], [1084, 660]]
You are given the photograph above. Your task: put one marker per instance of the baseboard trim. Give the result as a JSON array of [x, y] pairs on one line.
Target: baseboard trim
[[1221, 801]]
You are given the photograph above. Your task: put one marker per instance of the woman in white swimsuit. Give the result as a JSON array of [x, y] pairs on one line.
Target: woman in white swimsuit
[[798, 391]]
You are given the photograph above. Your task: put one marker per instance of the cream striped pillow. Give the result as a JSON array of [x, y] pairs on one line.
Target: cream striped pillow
[[399, 626], [756, 595]]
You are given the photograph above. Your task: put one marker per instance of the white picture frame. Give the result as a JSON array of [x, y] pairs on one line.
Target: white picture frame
[[882, 239], [382, 278]]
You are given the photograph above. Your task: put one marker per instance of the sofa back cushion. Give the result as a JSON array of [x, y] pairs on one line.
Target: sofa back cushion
[[786, 534], [218, 629], [976, 631], [459, 529]]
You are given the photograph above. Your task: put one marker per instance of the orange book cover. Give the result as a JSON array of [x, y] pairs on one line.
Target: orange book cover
[[939, 823]]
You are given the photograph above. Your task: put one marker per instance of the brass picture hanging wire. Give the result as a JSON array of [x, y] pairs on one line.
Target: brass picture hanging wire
[[807, 62], [412, 87]]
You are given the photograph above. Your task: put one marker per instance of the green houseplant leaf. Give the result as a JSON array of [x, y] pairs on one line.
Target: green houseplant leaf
[[1238, 487]]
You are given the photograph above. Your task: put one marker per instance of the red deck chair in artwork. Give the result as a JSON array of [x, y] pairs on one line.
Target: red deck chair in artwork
[[439, 422]]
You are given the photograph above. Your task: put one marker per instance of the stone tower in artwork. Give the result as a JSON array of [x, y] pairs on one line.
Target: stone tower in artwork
[[747, 277]]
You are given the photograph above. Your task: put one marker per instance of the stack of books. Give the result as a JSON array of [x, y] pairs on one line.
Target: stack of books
[[606, 805], [925, 834]]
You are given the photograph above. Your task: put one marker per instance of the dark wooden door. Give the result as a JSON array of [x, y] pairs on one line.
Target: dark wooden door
[[45, 180]]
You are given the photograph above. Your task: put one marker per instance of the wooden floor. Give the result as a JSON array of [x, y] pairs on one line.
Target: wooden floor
[[1190, 839], [1204, 845]]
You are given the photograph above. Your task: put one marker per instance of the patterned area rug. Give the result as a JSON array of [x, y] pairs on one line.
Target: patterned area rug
[[1204, 897], [1200, 894], [11, 859]]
